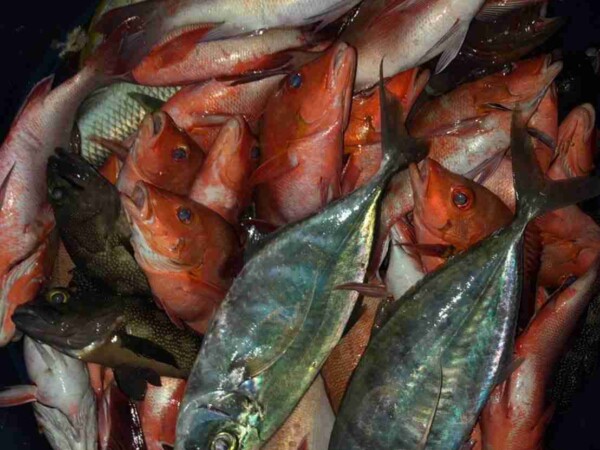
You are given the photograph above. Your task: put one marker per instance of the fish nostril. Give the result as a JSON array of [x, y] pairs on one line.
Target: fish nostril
[[139, 196], [157, 123]]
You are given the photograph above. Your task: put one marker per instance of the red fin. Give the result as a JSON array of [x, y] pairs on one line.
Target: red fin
[[366, 289], [18, 395], [37, 94], [115, 147], [279, 165]]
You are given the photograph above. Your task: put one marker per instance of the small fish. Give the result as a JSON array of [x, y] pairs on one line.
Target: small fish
[[189, 253], [162, 155], [407, 34], [432, 365], [521, 83], [111, 114], [575, 146], [63, 400], [128, 334], [302, 139], [93, 226], [158, 413], [223, 183], [362, 138], [452, 211], [44, 123], [518, 411], [201, 110], [259, 358], [186, 59]]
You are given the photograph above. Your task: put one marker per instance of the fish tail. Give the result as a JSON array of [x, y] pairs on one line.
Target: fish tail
[[537, 194], [144, 28], [399, 149]]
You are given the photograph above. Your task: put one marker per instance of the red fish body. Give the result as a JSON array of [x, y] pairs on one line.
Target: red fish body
[[201, 110], [223, 183], [518, 411], [362, 140], [470, 100], [186, 60], [302, 139], [162, 155], [158, 412], [26, 220], [188, 252]]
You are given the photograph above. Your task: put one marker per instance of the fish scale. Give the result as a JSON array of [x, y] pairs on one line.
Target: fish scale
[[112, 114]]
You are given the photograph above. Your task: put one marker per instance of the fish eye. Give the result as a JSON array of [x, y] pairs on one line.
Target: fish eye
[[462, 197], [295, 81], [224, 441], [180, 153], [58, 296], [184, 215], [57, 193], [255, 152]]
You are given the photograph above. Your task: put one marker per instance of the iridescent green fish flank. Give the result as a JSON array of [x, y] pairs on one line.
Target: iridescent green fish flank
[[462, 318], [283, 315]]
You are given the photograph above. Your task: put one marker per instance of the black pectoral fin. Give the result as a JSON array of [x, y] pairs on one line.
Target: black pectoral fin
[[133, 381], [148, 349]]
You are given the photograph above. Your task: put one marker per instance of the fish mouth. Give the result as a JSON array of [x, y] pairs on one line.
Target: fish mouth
[[138, 203]]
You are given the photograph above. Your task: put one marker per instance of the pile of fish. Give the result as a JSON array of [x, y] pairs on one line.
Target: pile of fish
[[303, 225]]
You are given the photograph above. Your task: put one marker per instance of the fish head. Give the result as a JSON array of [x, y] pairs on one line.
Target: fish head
[[219, 421], [77, 192], [170, 225], [453, 209], [576, 139], [67, 320], [166, 155], [318, 95], [520, 82]]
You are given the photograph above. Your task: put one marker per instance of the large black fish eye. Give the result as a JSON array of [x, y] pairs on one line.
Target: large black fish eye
[[180, 153], [57, 193], [224, 441], [184, 215], [295, 81], [58, 296]]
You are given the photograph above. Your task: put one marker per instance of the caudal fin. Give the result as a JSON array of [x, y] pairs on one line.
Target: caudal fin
[[537, 194], [399, 149]]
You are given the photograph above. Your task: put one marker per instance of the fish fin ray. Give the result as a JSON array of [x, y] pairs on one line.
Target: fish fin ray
[[18, 395], [453, 43], [366, 289], [331, 14], [492, 12], [435, 250], [115, 147]]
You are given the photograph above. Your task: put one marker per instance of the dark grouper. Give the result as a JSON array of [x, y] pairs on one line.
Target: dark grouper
[[93, 225], [128, 334], [429, 370], [283, 315]]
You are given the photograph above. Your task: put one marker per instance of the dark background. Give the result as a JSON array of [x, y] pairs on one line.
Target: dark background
[[27, 30]]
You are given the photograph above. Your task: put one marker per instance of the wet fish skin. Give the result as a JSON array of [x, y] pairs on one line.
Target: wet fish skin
[[93, 226], [162, 19], [407, 34], [114, 331], [64, 403], [260, 357], [158, 412], [467, 311], [201, 110]]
